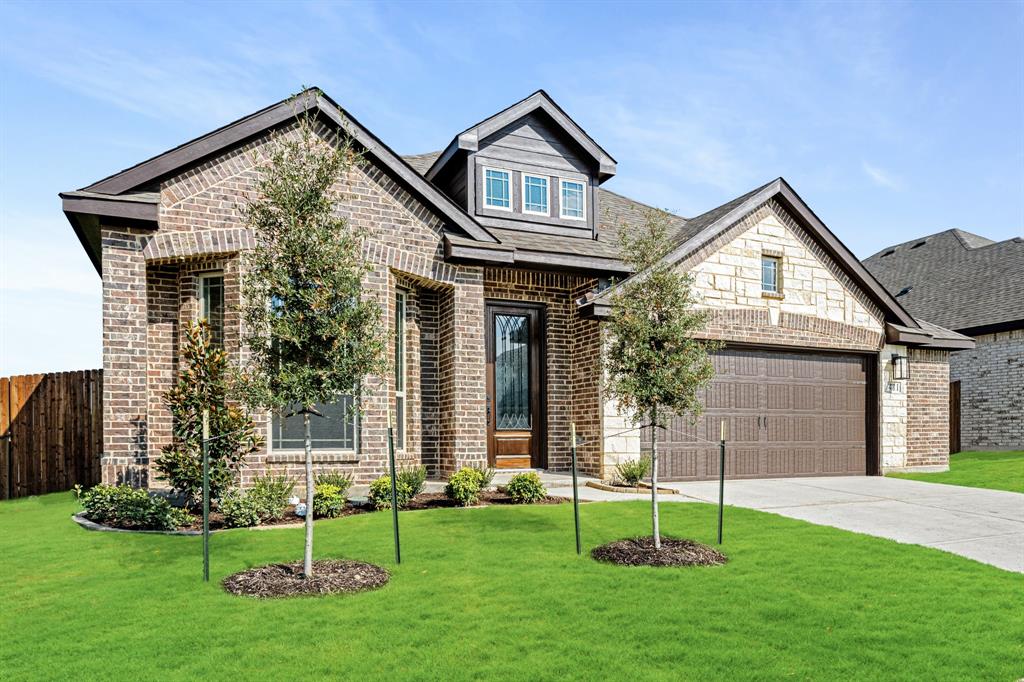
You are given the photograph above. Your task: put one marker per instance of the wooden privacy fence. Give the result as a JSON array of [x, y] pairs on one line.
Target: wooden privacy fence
[[52, 432]]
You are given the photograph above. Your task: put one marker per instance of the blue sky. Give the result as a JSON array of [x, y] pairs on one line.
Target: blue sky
[[891, 120]]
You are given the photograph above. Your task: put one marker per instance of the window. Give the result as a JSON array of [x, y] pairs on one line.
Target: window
[[336, 430], [400, 370], [573, 205], [497, 189], [535, 194], [211, 305], [770, 274]]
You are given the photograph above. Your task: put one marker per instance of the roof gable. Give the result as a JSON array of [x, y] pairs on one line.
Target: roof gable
[[144, 175], [539, 102]]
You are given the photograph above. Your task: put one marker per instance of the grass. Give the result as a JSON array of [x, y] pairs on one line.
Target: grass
[[995, 470], [500, 593]]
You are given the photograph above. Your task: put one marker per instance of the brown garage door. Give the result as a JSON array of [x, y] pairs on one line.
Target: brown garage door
[[786, 414]]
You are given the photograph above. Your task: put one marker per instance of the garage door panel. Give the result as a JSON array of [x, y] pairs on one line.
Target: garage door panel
[[786, 414]]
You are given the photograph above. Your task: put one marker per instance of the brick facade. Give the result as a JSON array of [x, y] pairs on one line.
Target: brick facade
[[991, 379], [928, 408]]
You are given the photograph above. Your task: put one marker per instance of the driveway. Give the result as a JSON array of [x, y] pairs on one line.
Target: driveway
[[985, 525]]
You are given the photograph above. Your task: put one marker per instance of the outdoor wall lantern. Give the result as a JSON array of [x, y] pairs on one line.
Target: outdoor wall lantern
[[900, 367]]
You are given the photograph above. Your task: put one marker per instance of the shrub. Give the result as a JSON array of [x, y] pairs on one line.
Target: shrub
[[633, 471], [414, 477], [486, 476], [328, 501], [126, 507], [380, 492], [240, 510], [526, 488], [270, 496], [204, 383], [465, 485], [336, 478]]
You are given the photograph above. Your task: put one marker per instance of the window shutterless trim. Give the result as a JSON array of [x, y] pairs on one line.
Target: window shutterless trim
[[511, 198], [201, 302], [547, 193], [561, 199], [354, 451], [777, 271]]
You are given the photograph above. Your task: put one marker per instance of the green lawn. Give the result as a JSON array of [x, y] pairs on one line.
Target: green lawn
[[996, 470], [499, 593]]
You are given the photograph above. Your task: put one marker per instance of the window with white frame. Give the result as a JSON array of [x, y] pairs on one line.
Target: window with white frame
[[400, 370], [497, 189], [210, 287], [535, 194], [572, 204], [337, 430], [770, 274]]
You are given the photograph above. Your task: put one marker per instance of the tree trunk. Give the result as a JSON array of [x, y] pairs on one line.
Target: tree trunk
[[654, 478], [307, 561]]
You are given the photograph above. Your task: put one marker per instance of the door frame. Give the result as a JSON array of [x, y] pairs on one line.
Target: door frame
[[539, 375]]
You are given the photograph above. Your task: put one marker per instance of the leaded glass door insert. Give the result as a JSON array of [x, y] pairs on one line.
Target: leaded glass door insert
[[515, 385], [512, 372]]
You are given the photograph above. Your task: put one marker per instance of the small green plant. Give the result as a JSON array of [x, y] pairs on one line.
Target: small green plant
[[343, 481], [486, 476], [270, 495], [414, 477], [380, 492], [526, 488], [123, 506], [631, 472], [240, 510], [328, 502], [465, 485]]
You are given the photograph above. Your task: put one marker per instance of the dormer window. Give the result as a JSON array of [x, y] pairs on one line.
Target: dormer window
[[535, 194], [573, 205], [497, 189]]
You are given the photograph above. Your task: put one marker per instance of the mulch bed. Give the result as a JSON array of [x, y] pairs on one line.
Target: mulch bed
[[439, 501], [673, 552], [330, 576], [289, 518]]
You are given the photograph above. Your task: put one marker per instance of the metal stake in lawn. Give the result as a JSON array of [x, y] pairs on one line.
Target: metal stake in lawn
[[206, 495], [721, 480], [394, 489], [575, 492]]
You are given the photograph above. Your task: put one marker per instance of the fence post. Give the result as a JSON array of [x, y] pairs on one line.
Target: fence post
[[721, 480], [206, 495]]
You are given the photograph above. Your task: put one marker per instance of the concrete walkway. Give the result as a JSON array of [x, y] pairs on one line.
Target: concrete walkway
[[985, 525]]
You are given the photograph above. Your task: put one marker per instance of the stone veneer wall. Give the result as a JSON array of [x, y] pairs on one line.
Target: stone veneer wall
[[991, 379], [893, 412], [928, 408]]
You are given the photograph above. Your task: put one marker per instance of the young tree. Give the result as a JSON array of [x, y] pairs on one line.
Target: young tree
[[311, 333], [652, 359], [204, 384]]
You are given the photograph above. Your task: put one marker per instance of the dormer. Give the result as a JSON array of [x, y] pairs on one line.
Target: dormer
[[529, 167]]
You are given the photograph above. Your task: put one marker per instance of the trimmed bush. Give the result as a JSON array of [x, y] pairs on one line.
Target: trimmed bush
[[633, 471], [270, 495], [526, 488], [414, 477], [240, 510], [123, 506], [380, 492], [336, 478], [465, 485], [328, 501]]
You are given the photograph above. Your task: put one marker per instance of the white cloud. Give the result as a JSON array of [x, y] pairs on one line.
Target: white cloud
[[881, 177]]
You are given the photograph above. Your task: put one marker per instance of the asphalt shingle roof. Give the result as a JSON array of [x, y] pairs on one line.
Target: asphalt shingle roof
[[617, 211], [956, 279]]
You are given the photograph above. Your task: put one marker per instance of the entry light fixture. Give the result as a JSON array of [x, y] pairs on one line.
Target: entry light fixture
[[900, 367]]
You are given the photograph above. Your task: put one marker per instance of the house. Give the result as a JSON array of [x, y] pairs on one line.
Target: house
[[490, 258], [974, 286]]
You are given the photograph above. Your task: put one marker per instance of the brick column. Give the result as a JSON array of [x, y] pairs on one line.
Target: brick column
[[125, 425], [468, 385]]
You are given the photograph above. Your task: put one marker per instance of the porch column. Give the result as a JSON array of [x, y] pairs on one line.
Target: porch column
[[125, 423], [466, 399]]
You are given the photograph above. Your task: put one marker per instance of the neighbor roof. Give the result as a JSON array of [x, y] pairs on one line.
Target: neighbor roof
[[960, 280]]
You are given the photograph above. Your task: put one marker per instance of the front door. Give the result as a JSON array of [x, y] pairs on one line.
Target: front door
[[515, 385]]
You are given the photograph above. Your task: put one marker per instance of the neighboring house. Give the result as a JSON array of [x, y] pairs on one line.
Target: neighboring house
[[490, 258], [974, 286]]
